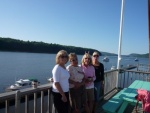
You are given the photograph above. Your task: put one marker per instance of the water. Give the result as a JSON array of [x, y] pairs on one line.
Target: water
[[16, 65]]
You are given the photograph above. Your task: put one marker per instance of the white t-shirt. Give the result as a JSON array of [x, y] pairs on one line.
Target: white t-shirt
[[60, 75], [76, 74]]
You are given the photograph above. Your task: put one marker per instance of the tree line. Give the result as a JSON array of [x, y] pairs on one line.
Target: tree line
[[15, 45]]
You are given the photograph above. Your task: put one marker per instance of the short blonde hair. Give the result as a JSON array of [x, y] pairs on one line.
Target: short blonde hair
[[86, 55], [61, 53], [72, 55]]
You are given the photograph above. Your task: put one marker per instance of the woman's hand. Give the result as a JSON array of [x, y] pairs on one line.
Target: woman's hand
[[102, 84], [63, 98], [77, 85], [88, 80]]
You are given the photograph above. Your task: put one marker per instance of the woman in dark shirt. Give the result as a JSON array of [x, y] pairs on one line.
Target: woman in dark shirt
[[99, 73]]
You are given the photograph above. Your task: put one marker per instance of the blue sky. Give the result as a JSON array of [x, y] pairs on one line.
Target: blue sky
[[82, 23]]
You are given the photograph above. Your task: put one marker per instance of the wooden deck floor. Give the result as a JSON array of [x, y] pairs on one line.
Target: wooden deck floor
[[129, 109]]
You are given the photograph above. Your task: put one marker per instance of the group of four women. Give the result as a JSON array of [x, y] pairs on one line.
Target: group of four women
[[77, 86]]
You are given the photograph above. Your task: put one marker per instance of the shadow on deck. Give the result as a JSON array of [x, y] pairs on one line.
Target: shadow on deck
[[129, 109]]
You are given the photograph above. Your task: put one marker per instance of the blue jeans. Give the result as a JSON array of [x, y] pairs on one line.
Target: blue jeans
[[97, 91]]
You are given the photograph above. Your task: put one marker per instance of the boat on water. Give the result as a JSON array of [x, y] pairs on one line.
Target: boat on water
[[136, 59], [50, 80], [26, 81], [22, 83], [113, 67], [105, 59], [14, 87]]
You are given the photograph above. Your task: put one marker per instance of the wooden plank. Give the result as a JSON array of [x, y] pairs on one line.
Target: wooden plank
[[123, 107], [119, 93], [134, 84], [35, 102], [130, 93], [42, 102], [26, 104], [146, 86], [114, 103], [7, 106]]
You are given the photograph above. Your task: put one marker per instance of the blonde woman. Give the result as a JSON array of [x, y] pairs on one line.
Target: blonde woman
[[89, 72], [60, 89], [77, 85]]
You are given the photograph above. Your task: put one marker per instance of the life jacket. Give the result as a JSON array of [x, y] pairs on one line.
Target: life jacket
[[144, 97]]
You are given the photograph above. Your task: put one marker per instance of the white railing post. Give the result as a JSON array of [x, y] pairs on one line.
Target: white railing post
[[42, 102], [17, 102], [35, 102]]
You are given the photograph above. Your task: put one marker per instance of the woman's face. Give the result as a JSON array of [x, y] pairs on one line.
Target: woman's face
[[87, 60], [74, 61], [63, 59], [95, 57]]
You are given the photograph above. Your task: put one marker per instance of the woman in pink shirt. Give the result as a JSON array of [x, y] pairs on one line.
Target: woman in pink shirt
[[89, 71]]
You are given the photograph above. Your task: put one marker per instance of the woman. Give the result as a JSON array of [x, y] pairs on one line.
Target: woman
[[99, 72], [77, 85], [89, 72], [60, 89]]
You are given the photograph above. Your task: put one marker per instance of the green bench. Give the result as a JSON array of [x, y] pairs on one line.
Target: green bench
[[114, 103]]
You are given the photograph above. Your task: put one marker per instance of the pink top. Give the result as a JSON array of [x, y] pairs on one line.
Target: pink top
[[89, 71]]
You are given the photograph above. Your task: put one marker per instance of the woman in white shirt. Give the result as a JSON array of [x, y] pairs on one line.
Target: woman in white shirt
[[60, 89]]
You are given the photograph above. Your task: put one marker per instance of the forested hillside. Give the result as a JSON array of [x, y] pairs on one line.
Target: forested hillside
[[9, 44], [140, 55], [14, 45]]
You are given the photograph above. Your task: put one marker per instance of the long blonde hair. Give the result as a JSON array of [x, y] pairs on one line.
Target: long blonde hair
[[86, 55]]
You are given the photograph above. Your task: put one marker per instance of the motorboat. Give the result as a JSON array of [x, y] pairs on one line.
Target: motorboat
[[136, 59], [50, 80], [14, 87], [24, 81], [105, 59], [113, 67]]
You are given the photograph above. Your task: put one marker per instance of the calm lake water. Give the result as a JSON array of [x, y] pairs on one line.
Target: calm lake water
[[17, 65]]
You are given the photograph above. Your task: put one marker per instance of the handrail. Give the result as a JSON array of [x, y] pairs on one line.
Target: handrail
[[42, 98], [16, 96]]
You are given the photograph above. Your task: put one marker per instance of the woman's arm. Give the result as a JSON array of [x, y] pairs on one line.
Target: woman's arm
[[58, 87]]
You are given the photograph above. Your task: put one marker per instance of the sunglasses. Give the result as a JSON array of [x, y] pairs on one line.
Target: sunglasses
[[73, 60], [63, 56], [87, 58], [95, 55]]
